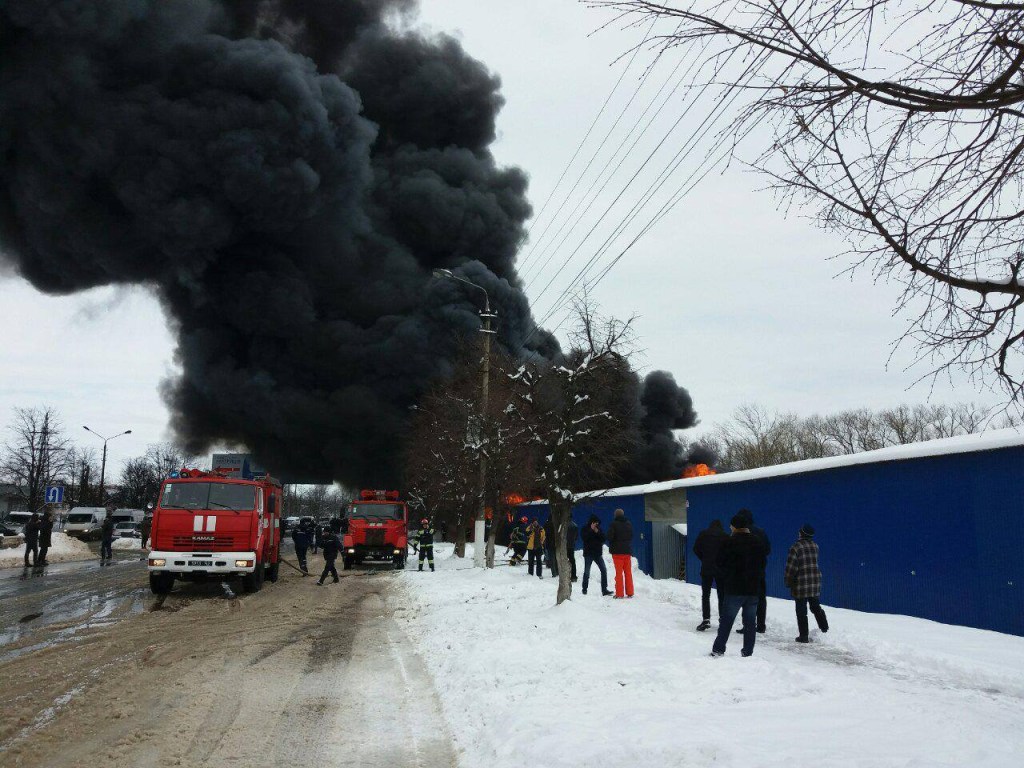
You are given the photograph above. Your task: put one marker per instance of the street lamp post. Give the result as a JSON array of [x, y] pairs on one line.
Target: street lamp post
[[103, 464], [480, 526]]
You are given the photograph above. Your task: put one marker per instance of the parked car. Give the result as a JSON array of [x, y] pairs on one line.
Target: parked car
[[16, 521], [127, 530]]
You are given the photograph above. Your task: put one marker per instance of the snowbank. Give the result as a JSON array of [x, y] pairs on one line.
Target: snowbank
[[626, 683], [63, 549], [132, 544]]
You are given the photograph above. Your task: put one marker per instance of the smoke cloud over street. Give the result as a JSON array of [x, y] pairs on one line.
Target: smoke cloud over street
[[283, 175]]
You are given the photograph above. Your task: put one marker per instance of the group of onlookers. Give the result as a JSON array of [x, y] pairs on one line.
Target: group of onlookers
[[735, 564], [534, 542]]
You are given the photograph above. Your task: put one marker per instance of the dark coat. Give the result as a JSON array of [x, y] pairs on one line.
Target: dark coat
[[593, 541], [803, 577], [741, 562], [620, 537], [31, 533], [301, 538], [108, 528], [572, 532], [759, 532], [45, 531], [332, 546], [549, 534], [425, 538], [709, 541]]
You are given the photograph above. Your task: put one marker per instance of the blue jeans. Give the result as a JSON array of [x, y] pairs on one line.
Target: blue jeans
[[731, 606], [599, 562]]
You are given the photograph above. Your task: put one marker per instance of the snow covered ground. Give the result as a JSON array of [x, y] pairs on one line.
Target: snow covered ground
[[63, 549], [617, 683]]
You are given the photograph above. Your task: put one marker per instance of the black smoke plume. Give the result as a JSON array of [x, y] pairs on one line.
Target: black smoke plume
[[284, 175]]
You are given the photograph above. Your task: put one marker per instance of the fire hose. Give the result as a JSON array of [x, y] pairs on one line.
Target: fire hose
[[304, 573]]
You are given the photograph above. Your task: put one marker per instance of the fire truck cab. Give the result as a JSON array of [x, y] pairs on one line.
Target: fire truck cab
[[207, 525], [377, 529]]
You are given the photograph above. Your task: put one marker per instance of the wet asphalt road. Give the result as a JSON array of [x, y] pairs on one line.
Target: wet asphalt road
[[65, 598]]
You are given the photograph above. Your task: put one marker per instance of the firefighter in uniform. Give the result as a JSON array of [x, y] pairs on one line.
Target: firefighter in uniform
[[517, 542], [425, 540], [300, 537], [331, 545]]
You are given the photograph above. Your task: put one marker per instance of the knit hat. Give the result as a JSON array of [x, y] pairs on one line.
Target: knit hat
[[739, 521], [807, 530]]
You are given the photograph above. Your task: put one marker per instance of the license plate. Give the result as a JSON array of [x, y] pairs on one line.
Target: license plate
[[200, 562]]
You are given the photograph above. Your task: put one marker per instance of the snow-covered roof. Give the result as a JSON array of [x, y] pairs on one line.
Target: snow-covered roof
[[985, 441]]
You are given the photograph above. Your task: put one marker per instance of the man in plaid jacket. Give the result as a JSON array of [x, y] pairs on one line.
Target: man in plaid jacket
[[803, 577]]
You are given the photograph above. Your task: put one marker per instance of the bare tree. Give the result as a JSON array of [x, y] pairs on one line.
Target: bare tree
[[579, 416], [37, 455], [902, 122]]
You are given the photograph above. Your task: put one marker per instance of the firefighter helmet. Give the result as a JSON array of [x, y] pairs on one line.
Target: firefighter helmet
[[424, 522]]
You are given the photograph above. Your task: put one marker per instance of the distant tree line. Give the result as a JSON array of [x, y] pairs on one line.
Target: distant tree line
[[758, 437]]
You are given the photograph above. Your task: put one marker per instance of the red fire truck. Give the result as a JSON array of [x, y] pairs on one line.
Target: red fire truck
[[208, 525], [378, 529]]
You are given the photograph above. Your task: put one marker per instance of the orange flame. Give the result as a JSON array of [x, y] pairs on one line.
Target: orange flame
[[698, 470]]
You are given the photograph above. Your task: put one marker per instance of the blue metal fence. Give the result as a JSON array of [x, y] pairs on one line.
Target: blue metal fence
[[937, 537]]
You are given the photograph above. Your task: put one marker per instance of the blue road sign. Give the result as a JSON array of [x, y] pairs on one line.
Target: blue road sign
[[55, 494]]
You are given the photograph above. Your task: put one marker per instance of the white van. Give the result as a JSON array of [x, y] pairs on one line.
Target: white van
[[82, 520]]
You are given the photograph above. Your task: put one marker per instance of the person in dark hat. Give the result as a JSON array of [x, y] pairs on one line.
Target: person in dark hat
[[762, 594], [803, 577], [593, 553], [45, 536], [709, 541], [741, 564], [31, 534]]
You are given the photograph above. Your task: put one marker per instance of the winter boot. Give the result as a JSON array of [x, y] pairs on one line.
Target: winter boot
[[431, 568], [320, 583], [336, 579], [803, 639], [704, 625], [420, 568]]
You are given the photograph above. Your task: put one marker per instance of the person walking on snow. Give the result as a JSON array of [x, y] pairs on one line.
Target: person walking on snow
[[45, 536], [31, 534], [535, 547], [741, 563], [803, 577], [706, 549], [620, 544], [549, 545], [300, 537], [762, 594], [107, 535], [331, 546], [517, 542], [593, 553], [425, 540]]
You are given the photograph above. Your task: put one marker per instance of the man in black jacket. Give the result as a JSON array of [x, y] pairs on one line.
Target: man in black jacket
[[45, 537], [107, 535], [331, 545], [620, 545], [549, 545], [762, 594], [593, 553], [706, 549], [741, 563], [31, 534]]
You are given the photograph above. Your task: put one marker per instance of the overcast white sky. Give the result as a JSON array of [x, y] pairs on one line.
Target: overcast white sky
[[738, 300]]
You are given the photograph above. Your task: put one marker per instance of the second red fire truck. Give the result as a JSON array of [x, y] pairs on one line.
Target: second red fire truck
[[378, 529]]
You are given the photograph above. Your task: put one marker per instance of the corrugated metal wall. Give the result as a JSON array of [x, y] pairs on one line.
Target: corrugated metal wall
[[938, 537], [604, 508]]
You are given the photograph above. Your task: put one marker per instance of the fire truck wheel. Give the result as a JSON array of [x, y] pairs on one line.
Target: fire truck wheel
[[346, 564], [253, 582], [161, 583], [272, 572], [399, 562]]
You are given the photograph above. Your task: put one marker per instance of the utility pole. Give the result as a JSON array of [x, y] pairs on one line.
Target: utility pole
[[480, 525]]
